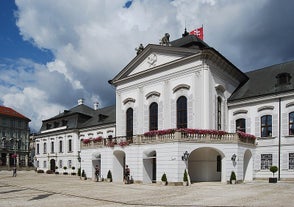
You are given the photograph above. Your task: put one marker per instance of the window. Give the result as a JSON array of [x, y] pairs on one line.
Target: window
[[38, 149], [219, 113], [241, 125], [44, 164], [45, 148], [129, 127], [182, 112], [266, 126], [153, 116], [70, 145], [291, 123], [60, 146], [266, 161], [69, 164], [291, 161], [52, 147], [60, 163], [218, 163]]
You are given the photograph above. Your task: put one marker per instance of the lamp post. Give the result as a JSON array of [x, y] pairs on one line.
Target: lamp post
[[15, 144], [185, 158], [79, 160]]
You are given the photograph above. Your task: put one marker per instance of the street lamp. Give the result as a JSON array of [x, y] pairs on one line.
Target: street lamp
[[15, 143], [79, 160], [185, 158]]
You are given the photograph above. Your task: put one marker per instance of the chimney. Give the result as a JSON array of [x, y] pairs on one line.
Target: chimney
[[96, 105], [80, 101]]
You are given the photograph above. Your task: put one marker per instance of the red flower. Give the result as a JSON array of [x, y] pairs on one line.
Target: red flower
[[97, 139], [244, 135], [86, 141], [14, 155]]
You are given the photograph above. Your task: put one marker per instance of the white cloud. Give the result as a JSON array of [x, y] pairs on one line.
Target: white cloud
[[93, 40]]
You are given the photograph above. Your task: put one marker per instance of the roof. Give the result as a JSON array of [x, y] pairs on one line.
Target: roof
[[189, 41], [101, 116], [10, 112], [79, 109], [264, 82]]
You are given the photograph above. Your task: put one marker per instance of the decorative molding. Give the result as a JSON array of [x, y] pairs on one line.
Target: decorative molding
[[99, 132], [129, 100], [265, 108], [220, 88], [289, 104], [109, 131], [181, 86], [242, 111], [152, 93]]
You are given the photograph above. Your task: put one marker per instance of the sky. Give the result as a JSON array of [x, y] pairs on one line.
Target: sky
[[54, 52]]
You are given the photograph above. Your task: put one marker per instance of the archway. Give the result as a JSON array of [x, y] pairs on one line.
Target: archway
[[247, 166], [149, 166], [52, 165], [96, 160], [205, 164], [119, 161]]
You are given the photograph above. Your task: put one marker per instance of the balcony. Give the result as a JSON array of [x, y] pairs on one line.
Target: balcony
[[166, 136]]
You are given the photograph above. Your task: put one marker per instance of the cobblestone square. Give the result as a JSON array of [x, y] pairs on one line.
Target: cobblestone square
[[32, 189]]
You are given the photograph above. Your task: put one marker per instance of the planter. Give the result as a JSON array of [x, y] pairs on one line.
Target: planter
[[185, 183], [233, 181], [163, 182], [108, 180], [273, 180]]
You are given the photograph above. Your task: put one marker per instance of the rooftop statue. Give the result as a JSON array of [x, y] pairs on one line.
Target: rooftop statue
[[165, 40], [139, 49]]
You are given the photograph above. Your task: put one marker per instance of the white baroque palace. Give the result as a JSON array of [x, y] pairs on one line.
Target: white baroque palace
[[184, 106]]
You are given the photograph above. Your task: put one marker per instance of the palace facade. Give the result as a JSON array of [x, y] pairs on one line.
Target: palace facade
[[181, 106]]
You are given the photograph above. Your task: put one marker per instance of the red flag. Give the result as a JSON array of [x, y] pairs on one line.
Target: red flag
[[198, 32]]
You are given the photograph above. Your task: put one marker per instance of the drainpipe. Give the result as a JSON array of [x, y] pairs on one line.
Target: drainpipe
[[279, 147]]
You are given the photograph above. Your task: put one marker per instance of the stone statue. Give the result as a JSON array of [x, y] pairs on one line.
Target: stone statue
[[165, 40], [139, 49]]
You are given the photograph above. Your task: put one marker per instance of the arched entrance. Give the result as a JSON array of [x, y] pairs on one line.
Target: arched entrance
[[247, 166], [205, 164], [149, 166], [96, 160], [118, 165], [52, 165]]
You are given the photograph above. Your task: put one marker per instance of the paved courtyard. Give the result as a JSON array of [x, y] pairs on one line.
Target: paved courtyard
[[32, 189]]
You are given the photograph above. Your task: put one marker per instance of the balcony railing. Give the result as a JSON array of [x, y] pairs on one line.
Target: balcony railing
[[173, 136]]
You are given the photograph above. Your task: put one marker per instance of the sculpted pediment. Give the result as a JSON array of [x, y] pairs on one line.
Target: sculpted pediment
[[152, 58]]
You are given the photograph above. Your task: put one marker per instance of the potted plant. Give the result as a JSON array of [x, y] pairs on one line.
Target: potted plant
[[65, 173], [233, 178], [273, 169], [185, 178], [73, 171], [164, 179], [84, 176], [109, 176], [56, 172]]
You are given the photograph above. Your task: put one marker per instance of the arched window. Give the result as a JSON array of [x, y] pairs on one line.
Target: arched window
[[219, 113], [266, 126], [129, 121], [291, 123], [182, 112], [153, 116], [241, 125]]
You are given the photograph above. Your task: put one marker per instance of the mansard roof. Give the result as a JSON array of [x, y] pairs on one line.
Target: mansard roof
[[81, 116], [270, 80], [101, 117]]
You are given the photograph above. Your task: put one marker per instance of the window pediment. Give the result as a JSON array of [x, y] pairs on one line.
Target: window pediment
[[242, 111], [289, 104], [129, 100], [152, 93], [181, 86], [265, 108]]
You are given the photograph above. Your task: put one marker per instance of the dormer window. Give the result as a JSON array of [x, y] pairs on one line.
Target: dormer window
[[283, 79], [48, 126]]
